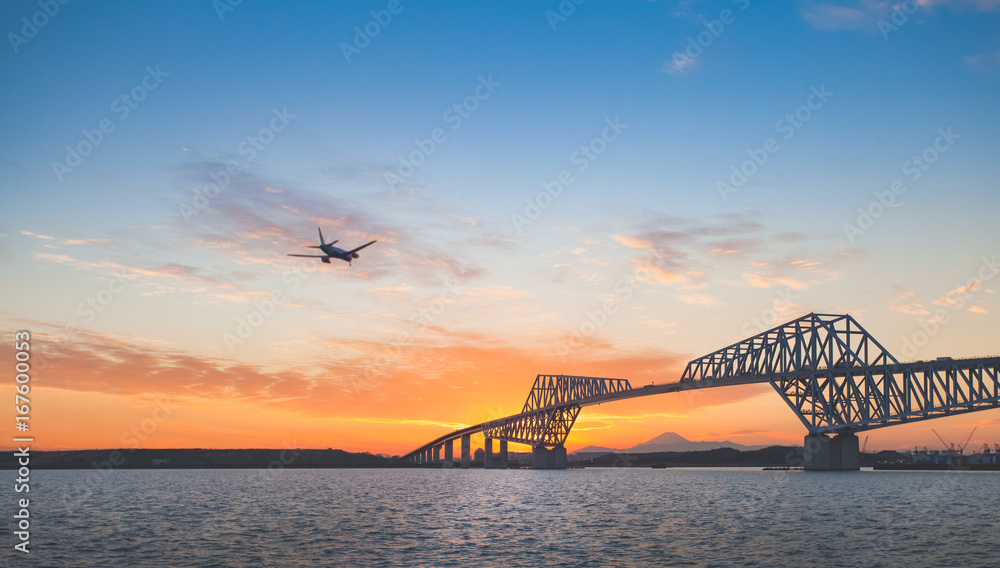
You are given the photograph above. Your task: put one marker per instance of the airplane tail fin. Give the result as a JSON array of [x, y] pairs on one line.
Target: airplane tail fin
[[321, 241]]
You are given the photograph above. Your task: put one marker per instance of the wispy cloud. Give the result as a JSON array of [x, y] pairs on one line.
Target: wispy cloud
[[633, 241], [987, 62], [764, 281], [680, 63], [907, 302], [37, 236], [863, 15], [699, 300], [978, 5], [866, 14], [950, 299], [497, 293]]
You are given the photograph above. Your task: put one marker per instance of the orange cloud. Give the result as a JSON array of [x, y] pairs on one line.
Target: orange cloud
[[378, 397], [763, 281], [633, 242], [699, 300]]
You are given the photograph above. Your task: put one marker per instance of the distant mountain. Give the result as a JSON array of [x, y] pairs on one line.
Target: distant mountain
[[671, 442]]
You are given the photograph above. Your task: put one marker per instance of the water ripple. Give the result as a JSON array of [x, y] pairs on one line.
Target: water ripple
[[594, 517]]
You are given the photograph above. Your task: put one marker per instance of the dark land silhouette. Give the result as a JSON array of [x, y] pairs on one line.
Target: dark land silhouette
[[774, 456]]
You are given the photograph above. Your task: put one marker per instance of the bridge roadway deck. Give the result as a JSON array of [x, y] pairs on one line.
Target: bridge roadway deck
[[647, 390], [650, 390]]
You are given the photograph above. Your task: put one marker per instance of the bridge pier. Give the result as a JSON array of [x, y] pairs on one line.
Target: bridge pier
[[437, 454], [840, 453], [503, 454], [495, 461], [466, 451], [545, 458], [449, 457]]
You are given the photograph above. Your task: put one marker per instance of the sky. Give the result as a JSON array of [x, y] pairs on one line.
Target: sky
[[590, 188]]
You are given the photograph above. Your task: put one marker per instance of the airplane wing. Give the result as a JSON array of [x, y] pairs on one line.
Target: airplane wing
[[361, 247], [310, 255]]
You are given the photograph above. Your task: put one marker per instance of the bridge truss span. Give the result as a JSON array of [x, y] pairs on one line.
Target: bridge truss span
[[810, 343], [833, 374], [551, 409], [863, 399]]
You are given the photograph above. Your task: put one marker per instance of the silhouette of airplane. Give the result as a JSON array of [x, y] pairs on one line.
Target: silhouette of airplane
[[332, 251]]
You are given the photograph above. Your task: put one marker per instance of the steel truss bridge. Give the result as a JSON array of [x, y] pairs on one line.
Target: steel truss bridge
[[833, 374]]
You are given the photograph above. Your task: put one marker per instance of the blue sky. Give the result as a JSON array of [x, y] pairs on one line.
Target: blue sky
[[720, 265]]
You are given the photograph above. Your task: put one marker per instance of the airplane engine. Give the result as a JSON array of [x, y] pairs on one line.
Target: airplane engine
[[325, 260], [356, 255]]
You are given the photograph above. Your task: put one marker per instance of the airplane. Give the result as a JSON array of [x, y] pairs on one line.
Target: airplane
[[332, 251]]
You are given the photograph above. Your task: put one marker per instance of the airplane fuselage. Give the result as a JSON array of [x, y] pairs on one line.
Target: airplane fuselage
[[335, 252]]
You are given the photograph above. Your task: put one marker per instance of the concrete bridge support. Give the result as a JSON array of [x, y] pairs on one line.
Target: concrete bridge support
[[545, 458], [839, 453], [449, 457], [495, 461], [466, 451], [437, 454], [488, 462]]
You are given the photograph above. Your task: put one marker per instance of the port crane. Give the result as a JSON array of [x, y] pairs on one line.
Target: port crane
[[951, 447]]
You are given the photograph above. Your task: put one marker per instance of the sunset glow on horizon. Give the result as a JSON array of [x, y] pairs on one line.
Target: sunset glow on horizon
[[608, 193]]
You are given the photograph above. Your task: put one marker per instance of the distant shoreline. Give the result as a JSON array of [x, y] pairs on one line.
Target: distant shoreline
[[292, 458], [198, 458]]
